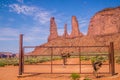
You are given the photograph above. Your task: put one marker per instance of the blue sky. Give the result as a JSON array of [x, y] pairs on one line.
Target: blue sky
[[31, 18]]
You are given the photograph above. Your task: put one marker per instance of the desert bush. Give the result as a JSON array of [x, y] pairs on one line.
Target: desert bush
[[9, 61], [57, 58], [2, 64], [16, 64], [75, 76], [30, 61], [98, 58], [85, 58], [118, 60], [44, 59], [87, 78]]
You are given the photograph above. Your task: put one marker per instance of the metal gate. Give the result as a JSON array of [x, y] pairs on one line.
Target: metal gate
[[80, 51]]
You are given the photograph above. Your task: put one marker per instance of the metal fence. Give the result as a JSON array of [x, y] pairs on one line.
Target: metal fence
[[80, 51]]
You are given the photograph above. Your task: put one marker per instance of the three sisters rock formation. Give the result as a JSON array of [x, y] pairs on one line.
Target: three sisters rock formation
[[75, 29], [104, 27]]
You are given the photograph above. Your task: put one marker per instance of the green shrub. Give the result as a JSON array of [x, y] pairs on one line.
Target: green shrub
[[84, 58], [118, 60], [9, 61], [75, 76], [98, 58], [15, 64], [56, 58], [86, 78], [2, 64], [32, 61], [44, 59]]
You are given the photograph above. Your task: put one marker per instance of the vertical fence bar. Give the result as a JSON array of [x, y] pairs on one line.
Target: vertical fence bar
[[112, 58], [51, 60], [23, 60], [20, 54], [80, 59], [109, 58]]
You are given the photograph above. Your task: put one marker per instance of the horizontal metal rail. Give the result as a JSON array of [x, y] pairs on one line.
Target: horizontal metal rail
[[62, 64], [73, 55], [64, 73], [61, 46]]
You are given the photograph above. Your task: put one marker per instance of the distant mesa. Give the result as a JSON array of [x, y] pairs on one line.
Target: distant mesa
[[7, 55]]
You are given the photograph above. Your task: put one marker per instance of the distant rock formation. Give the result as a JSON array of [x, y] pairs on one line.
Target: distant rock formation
[[53, 29], [105, 22], [75, 28], [65, 34], [7, 55], [104, 28]]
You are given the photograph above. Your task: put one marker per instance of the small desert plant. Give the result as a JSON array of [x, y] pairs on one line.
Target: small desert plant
[[75, 76], [118, 60], [98, 58], [2, 64], [15, 63], [84, 58], [56, 58], [32, 61], [87, 78], [44, 59]]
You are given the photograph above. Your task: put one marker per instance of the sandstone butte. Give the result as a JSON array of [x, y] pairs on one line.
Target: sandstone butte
[[104, 27]]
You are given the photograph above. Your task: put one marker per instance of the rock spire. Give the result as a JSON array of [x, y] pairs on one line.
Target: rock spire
[[53, 29], [75, 28], [65, 35]]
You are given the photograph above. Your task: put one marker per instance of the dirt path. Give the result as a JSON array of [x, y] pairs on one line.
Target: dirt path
[[11, 72]]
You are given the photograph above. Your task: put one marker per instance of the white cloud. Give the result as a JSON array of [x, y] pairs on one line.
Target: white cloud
[[23, 9], [83, 22], [8, 32], [39, 14], [32, 34], [20, 1], [6, 39], [43, 17], [36, 34], [60, 31], [83, 25], [84, 32]]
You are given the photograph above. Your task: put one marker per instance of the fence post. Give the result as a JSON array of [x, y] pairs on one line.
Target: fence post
[[51, 60], [20, 54], [112, 58], [80, 59]]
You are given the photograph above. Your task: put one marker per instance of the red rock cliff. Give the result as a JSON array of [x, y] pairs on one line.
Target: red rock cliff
[[105, 22]]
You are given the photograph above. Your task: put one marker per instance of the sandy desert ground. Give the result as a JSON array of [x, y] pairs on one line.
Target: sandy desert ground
[[11, 72]]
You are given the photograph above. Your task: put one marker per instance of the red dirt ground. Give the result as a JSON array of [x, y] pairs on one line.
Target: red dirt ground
[[11, 72]]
